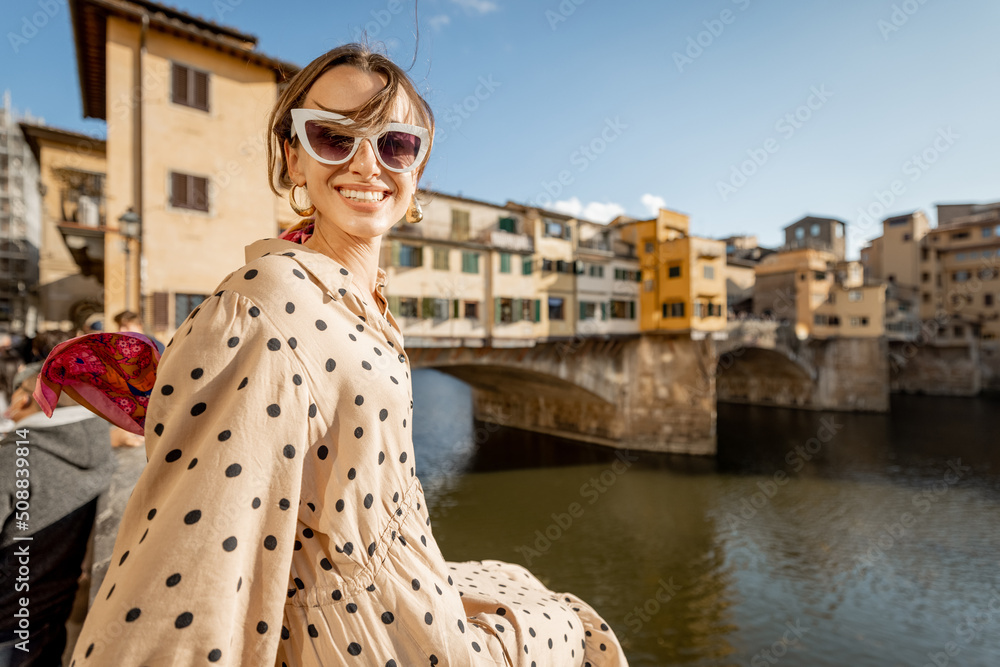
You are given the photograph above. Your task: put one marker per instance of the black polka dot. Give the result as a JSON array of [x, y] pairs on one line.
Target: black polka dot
[[184, 620], [358, 432], [90, 649], [197, 373], [289, 451], [352, 473], [394, 380], [274, 345], [343, 271], [233, 342], [292, 343], [354, 648], [273, 410], [298, 274], [254, 311], [158, 429], [475, 647], [270, 543], [225, 435], [365, 365], [174, 579], [307, 532], [297, 379], [313, 632], [214, 655], [351, 608], [342, 291], [124, 556], [229, 544], [415, 584], [167, 389], [284, 503], [383, 414], [234, 470], [322, 451], [284, 633], [368, 501], [428, 619], [321, 325], [371, 549], [289, 307], [312, 410], [359, 399], [340, 505], [261, 627], [243, 383], [132, 614], [198, 409], [256, 503], [172, 455], [326, 564], [336, 595], [192, 517], [352, 337], [193, 463], [330, 365], [250, 275], [387, 617], [151, 514], [402, 457]]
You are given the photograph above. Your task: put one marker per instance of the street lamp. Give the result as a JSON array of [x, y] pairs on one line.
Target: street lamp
[[130, 227]]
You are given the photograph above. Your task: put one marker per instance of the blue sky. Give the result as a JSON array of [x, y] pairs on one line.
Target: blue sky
[[744, 114]]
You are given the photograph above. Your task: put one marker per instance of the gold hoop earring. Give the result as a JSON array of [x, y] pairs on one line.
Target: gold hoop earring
[[304, 212], [414, 213]]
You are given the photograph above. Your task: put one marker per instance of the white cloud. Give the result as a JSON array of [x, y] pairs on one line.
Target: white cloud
[[439, 21], [595, 211], [653, 203], [480, 6]]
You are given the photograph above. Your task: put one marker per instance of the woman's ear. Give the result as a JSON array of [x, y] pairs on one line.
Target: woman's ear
[[292, 163]]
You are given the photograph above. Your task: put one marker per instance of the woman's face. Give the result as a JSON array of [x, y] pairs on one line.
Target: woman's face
[[342, 89]]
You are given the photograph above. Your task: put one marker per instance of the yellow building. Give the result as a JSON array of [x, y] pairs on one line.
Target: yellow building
[[71, 256], [683, 281], [819, 295], [186, 102]]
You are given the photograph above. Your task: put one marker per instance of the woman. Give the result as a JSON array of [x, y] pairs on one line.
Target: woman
[[279, 520]]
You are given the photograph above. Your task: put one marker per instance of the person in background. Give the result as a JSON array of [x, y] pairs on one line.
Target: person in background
[[71, 464], [129, 321]]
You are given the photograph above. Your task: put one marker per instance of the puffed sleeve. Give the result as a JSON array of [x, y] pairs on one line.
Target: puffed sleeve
[[202, 558]]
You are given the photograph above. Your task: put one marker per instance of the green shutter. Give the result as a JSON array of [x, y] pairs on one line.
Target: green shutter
[[583, 311], [395, 253], [496, 310], [517, 310], [427, 307], [604, 310], [538, 310], [526, 266], [419, 252], [638, 276], [454, 303], [631, 310]]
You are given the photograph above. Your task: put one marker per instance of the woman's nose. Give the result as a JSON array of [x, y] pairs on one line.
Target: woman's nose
[[364, 162]]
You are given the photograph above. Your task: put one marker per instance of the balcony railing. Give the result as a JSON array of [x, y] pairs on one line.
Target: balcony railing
[[81, 197]]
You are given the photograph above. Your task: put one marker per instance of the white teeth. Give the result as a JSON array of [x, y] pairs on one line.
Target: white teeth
[[358, 195]]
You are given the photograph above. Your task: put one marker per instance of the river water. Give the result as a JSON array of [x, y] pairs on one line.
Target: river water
[[813, 538]]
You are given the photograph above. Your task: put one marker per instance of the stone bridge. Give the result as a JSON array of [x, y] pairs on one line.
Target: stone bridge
[[654, 391], [632, 391], [765, 363]]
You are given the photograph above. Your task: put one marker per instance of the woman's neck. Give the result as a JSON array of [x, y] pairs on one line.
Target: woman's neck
[[357, 255]]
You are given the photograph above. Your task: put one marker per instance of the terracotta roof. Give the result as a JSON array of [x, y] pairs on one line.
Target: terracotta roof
[[90, 20]]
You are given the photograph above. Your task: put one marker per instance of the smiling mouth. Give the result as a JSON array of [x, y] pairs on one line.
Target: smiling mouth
[[362, 196]]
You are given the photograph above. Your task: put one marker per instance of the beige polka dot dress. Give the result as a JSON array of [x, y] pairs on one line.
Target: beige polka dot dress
[[279, 520]]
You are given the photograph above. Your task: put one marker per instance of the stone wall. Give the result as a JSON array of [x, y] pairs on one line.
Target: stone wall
[[941, 370]]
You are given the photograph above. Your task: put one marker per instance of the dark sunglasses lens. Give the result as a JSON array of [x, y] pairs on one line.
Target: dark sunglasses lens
[[399, 149], [327, 143]]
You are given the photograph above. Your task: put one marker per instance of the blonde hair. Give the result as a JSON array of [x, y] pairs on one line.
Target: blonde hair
[[375, 113]]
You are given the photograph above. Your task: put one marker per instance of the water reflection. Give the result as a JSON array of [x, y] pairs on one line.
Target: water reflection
[[860, 544]]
